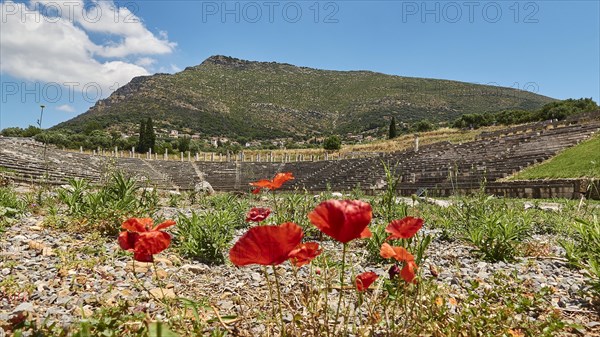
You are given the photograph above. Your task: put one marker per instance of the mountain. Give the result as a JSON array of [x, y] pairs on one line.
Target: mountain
[[232, 97]]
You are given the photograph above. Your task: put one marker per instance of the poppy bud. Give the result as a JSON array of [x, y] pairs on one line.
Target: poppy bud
[[394, 271]]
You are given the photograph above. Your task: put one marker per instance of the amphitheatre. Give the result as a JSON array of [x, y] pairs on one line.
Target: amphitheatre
[[440, 169], [475, 252]]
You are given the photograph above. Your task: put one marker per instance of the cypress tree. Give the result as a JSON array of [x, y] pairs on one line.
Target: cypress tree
[[150, 136], [393, 133], [142, 142]]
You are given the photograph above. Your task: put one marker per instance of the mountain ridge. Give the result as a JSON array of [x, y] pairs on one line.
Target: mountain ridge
[[235, 97]]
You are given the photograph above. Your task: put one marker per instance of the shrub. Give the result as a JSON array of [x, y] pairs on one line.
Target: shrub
[[497, 237], [332, 143], [10, 206], [109, 205], [583, 251], [204, 237]]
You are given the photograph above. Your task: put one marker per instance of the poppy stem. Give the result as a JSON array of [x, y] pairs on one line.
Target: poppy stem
[[270, 288], [337, 311], [279, 301], [160, 286], [327, 283], [141, 284], [395, 306], [405, 314], [275, 203]]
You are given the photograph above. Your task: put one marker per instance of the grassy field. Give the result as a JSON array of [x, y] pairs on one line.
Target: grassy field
[[580, 161]]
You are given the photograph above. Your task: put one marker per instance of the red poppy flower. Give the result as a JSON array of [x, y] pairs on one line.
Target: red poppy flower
[[304, 253], [257, 214], [408, 272], [366, 233], [401, 254], [266, 245], [143, 240], [364, 280], [277, 182], [343, 220], [398, 253], [404, 228]]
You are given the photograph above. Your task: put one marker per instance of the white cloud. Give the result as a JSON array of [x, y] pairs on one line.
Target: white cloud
[[49, 41], [145, 61], [65, 108]]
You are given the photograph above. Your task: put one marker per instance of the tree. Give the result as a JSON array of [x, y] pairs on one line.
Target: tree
[[115, 136], [183, 144], [99, 138], [142, 146], [12, 132], [150, 136], [392, 133], [31, 131], [91, 126], [423, 125], [333, 143]]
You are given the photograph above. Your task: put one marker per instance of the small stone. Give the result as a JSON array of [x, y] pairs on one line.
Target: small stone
[[63, 300], [257, 277], [25, 306], [194, 268], [163, 260], [140, 267], [483, 275], [84, 311], [160, 273], [225, 305], [19, 238], [51, 299], [163, 293]]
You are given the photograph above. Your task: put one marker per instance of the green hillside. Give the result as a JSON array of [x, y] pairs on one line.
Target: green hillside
[[232, 97], [581, 161]]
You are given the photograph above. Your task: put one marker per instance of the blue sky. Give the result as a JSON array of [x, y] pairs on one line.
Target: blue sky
[[75, 55]]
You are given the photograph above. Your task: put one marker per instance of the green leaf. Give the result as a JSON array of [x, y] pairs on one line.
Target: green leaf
[[158, 329]]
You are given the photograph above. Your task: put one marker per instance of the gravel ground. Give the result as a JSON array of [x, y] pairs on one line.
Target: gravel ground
[[64, 276]]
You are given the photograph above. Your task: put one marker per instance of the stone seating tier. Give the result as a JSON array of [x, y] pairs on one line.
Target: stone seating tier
[[441, 166]]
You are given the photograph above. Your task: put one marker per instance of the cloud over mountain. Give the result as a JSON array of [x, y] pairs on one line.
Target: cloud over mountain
[[75, 43]]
